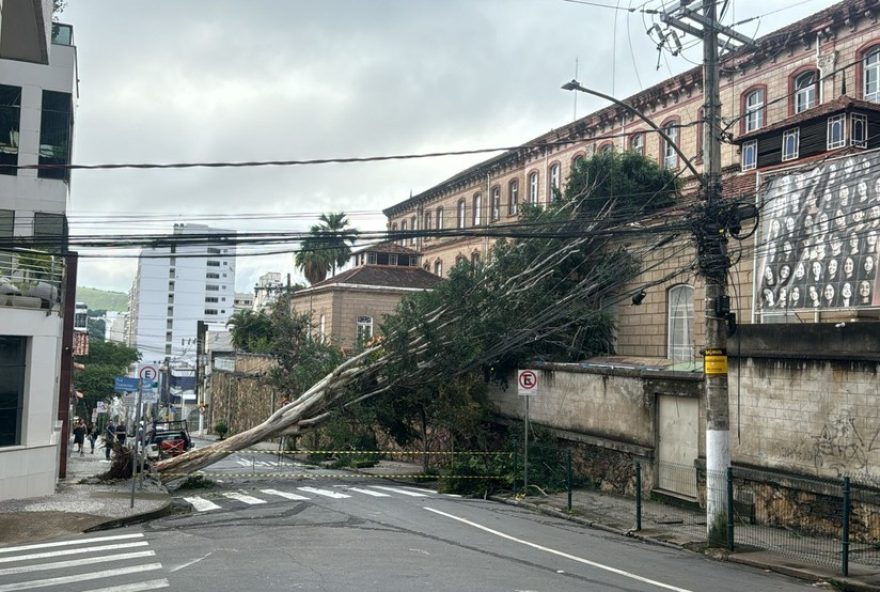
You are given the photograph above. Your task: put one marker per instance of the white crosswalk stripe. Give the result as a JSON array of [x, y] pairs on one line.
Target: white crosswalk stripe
[[37, 566], [284, 494], [400, 491], [201, 504], [248, 499], [369, 492], [324, 492]]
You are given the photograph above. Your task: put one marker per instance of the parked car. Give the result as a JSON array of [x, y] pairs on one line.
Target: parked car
[[167, 438]]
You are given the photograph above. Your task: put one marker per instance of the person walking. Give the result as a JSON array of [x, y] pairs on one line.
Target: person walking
[[109, 437], [93, 435], [79, 436], [121, 432]]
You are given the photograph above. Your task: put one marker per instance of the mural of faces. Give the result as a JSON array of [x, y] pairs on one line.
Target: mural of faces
[[818, 241]]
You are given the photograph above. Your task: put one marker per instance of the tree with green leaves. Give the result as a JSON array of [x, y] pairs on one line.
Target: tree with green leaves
[[105, 361], [543, 295], [327, 247], [251, 331]]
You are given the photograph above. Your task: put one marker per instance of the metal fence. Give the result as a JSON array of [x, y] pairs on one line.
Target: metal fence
[[30, 279]]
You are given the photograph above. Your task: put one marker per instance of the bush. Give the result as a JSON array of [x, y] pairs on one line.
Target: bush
[[221, 429]]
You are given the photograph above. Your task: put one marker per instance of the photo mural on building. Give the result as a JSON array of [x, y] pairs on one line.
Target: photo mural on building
[[817, 243]]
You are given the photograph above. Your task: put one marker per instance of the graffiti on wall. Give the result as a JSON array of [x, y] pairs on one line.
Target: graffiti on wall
[[843, 448], [817, 243]]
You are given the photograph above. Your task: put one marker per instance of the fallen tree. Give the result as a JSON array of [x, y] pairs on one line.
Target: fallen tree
[[544, 294]]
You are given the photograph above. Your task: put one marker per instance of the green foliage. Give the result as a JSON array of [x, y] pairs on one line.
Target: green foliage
[[478, 474], [196, 482], [327, 247], [251, 331], [221, 428], [104, 363], [97, 329], [98, 300]]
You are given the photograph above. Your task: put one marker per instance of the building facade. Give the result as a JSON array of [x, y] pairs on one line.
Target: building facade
[[269, 286], [177, 286], [801, 116], [347, 309], [37, 97]]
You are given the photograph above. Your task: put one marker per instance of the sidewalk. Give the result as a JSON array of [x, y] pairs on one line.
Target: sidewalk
[[80, 503]]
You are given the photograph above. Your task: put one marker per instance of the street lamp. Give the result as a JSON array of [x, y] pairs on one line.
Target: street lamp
[[575, 85]]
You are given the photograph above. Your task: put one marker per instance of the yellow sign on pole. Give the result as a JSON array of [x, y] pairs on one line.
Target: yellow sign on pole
[[715, 361]]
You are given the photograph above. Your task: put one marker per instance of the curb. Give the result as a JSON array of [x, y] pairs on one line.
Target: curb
[[165, 510]]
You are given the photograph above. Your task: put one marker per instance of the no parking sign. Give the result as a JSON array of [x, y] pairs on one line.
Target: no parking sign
[[527, 383]]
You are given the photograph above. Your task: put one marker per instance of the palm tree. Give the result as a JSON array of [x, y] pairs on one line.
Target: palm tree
[[313, 259], [339, 244]]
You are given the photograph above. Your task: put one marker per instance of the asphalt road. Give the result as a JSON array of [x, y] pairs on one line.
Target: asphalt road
[[331, 534]]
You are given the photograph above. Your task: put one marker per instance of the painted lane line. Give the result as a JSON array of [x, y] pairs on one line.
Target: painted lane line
[[117, 537], [400, 491], [284, 494], [421, 490], [369, 492], [324, 492], [243, 462], [81, 550], [601, 566], [96, 575], [135, 587], [248, 499], [201, 504], [75, 562]]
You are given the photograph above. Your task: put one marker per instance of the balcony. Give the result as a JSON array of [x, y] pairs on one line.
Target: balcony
[[62, 34], [31, 279]]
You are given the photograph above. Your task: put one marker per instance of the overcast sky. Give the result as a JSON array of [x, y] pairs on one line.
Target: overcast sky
[[193, 80]]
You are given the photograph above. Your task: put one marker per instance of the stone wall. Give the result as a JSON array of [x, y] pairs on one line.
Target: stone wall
[[241, 400]]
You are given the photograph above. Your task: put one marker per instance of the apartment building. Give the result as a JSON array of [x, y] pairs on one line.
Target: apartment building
[[178, 285], [266, 291], [38, 92]]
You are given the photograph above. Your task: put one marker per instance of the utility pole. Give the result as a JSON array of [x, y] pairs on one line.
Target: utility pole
[[713, 260]]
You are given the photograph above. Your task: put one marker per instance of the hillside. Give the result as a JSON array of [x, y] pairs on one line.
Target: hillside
[[102, 299]]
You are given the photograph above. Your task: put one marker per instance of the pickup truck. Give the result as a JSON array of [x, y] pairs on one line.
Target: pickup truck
[[167, 438]]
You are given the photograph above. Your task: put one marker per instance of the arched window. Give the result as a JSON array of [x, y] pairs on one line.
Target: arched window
[[637, 143], [412, 239], [475, 257], [871, 75], [427, 225], [438, 268], [403, 230], [478, 209], [754, 110], [606, 148], [577, 158], [533, 188], [805, 91], [462, 209], [670, 156], [554, 181], [496, 203], [321, 328], [512, 197], [680, 316], [439, 218]]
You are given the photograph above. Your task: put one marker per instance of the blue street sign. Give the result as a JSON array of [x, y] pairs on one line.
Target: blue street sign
[[125, 384]]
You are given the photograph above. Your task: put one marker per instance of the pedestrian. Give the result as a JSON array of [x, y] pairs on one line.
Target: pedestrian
[[79, 436], [93, 435], [121, 432], [109, 436]]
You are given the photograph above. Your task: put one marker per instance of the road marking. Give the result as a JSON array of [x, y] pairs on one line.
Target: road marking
[[421, 490], [188, 563], [369, 492], [201, 504], [75, 562], [96, 575], [284, 494], [248, 499], [135, 587], [607, 568], [63, 552], [324, 492], [243, 462], [117, 537], [400, 491]]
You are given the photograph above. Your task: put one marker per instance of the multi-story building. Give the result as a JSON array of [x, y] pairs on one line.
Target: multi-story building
[[177, 286], [37, 95], [347, 309], [243, 301], [269, 286], [801, 116]]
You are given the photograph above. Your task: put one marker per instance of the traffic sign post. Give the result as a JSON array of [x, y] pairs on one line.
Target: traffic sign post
[[527, 387]]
